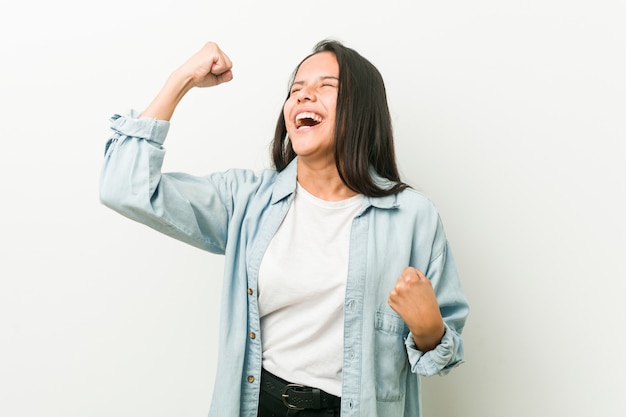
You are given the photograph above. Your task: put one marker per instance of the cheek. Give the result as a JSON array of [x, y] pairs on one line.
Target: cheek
[[286, 110], [331, 106], [288, 124]]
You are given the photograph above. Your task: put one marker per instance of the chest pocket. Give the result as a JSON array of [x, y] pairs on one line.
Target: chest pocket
[[391, 358]]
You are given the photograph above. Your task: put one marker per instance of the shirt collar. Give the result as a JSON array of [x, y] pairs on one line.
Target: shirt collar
[[386, 202], [287, 179], [285, 182]]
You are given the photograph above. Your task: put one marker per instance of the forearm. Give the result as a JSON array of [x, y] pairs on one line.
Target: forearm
[[427, 340], [165, 102]]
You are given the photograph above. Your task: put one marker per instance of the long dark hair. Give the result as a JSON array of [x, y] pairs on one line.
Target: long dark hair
[[363, 131]]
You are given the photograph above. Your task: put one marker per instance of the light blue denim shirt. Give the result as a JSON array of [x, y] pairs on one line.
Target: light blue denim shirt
[[237, 212]]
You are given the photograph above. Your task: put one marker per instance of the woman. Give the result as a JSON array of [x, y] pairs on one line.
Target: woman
[[339, 286]]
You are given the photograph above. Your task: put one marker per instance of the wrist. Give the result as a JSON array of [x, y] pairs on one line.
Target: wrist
[[428, 339]]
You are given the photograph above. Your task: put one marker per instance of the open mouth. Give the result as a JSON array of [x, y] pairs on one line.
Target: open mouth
[[307, 119]]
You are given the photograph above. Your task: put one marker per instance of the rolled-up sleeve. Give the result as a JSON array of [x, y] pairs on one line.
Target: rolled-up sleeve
[[192, 209], [439, 361]]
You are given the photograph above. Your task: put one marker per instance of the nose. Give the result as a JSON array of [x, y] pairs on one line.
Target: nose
[[305, 93]]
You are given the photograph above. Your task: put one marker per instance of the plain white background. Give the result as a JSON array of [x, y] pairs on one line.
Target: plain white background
[[509, 115]]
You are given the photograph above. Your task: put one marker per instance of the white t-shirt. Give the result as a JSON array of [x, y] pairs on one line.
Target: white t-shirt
[[302, 282]]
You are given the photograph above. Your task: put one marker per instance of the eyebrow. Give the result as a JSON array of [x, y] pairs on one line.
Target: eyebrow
[[325, 77]]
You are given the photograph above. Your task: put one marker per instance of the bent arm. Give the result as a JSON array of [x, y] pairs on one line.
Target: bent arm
[[195, 210], [189, 208], [453, 308]]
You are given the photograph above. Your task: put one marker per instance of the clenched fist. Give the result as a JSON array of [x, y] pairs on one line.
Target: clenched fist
[[413, 298], [208, 67]]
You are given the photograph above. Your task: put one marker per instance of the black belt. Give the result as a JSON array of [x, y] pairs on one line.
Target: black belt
[[296, 396]]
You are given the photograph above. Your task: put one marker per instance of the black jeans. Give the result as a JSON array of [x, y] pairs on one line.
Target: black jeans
[[270, 406]]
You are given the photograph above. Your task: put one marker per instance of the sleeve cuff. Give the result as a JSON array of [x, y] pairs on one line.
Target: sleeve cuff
[[433, 362], [145, 128]]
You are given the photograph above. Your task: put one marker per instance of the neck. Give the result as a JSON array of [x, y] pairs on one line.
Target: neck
[[322, 180]]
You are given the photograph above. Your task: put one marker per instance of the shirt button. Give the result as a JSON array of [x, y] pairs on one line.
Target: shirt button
[[250, 292], [252, 335], [250, 378]]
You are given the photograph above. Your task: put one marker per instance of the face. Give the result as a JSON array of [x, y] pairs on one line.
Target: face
[[309, 111]]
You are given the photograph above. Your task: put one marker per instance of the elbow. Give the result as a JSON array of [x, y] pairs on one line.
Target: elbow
[[121, 197], [113, 195], [109, 197]]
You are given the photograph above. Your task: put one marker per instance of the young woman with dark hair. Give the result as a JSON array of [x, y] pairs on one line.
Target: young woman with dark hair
[[363, 132], [340, 289]]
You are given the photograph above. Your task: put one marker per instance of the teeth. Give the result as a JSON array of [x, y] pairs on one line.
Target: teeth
[[309, 115]]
